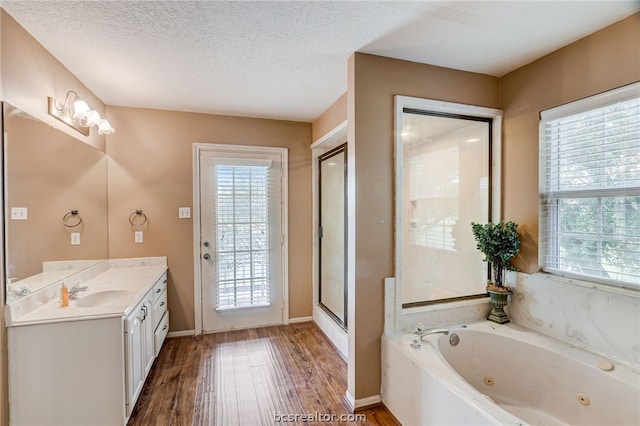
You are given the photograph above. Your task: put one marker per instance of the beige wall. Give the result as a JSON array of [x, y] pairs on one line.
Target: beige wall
[[30, 74], [334, 115], [373, 82], [605, 60], [76, 179], [150, 168]]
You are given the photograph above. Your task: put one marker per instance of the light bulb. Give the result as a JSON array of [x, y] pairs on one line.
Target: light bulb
[[104, 128], [80, 109], [92, 118]]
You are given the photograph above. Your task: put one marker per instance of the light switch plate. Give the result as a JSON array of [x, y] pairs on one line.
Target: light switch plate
[[75, 238], [184, 212], [138, 237], [18, 213]]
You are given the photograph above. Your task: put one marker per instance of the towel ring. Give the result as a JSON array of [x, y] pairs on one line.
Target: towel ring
[[67, 219], [135, 214]]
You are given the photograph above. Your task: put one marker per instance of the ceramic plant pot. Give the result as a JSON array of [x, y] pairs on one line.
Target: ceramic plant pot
[[498, 299]]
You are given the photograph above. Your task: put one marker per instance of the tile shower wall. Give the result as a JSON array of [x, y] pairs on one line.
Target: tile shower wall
[[605, 320]]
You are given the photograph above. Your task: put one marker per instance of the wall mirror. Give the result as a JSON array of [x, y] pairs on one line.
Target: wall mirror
[[446, 187], [55, 198], [447, 176]]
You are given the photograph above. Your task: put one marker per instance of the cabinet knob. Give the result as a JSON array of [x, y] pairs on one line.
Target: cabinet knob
[[164, 328], [207, 256], [162, 303]]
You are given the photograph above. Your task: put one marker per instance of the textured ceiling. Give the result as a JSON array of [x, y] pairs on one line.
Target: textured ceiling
[[288, 60]]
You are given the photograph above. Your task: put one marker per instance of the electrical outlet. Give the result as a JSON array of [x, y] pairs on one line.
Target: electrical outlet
[[184, 212], [18, 213], [138, 237], [75, 238]]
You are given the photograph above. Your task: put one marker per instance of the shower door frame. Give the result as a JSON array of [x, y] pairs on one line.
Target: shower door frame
[[323, 157]]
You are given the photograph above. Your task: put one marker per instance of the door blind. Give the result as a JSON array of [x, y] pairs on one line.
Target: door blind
[[590, 192], [242, 236]]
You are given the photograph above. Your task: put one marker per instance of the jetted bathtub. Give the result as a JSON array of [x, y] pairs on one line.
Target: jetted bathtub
[[506, 375]]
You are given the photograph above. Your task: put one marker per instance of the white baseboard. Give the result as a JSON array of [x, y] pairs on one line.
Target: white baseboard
[[300, 319], [332, 330], [354, 404], [181, 333]]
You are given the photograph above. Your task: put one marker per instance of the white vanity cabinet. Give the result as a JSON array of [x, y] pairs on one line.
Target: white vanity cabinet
[[67, 373], [134, 359], [159, 313], [88, 369], [137, 351], [144, 337]]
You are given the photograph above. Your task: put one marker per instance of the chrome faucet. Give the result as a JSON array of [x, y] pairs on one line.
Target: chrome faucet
[[423, 333], [20, 291], [73, 291]]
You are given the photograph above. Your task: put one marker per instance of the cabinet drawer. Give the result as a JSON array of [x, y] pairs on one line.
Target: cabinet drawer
[[159, 286], [161, 332], [159, 308]]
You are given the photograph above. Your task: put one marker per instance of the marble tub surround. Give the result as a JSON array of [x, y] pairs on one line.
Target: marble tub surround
[[445, 314], [602, 319], [133, 276], [429, 316]]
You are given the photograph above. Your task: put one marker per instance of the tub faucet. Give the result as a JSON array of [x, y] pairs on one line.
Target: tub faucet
[[73, 291], [422, 333]]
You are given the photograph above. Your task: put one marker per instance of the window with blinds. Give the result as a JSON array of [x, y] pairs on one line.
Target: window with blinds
[[590, 187], [242, 236]]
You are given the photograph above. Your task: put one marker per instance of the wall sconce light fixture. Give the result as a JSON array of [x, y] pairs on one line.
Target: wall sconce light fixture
[[78, 115]]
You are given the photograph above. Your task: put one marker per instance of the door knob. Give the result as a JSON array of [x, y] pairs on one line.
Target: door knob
[[207, 256]]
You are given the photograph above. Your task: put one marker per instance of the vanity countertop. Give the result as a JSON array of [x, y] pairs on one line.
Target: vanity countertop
[[113, 290], [38, 281], [51, 272]]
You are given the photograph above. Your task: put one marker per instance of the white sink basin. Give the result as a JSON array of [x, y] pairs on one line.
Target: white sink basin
[[104, 298]]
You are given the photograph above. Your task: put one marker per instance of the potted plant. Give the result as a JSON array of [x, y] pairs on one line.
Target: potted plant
[[499, 242]]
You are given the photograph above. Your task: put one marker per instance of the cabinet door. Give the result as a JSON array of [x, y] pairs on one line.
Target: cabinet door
[[147, 325], [159, 308], [134, 361]]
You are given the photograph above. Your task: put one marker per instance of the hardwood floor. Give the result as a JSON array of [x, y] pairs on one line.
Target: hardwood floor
[[264, 376]]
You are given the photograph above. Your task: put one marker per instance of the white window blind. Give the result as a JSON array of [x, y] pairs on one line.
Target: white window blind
[[433, 179], [242, 235], [590, 187]]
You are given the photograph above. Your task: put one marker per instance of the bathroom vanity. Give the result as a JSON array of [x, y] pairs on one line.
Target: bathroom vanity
[[86, 364]]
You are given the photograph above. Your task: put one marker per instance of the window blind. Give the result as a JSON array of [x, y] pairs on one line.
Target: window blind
[[433, 179], [242, 236], [590, 188]]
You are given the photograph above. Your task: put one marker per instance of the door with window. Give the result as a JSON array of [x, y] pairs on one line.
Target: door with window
[[242, 236]]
